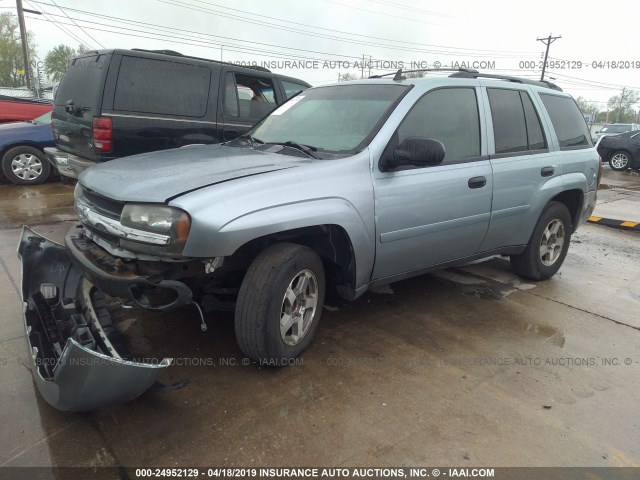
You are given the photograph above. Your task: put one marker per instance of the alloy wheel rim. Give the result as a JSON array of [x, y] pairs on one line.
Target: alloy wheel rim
[[619, 160], [26, 166], [552, 242], [298, 307]]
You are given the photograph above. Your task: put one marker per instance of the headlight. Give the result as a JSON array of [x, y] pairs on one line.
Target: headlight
[[160, 219]]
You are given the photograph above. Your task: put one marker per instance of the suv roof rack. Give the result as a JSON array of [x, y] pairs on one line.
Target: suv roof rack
[[471, 73], [178, 54], [164, 52]]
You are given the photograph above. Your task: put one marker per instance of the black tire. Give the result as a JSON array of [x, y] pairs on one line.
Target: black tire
[[619, 160], [530, 264], [261, 303], [37, 167]]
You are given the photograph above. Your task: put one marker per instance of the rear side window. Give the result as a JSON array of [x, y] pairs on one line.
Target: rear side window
[[568, 122], [509, 125], [516, 125], [449, 115], [162, 87], [82, 83], [248, 97], [291, 88]]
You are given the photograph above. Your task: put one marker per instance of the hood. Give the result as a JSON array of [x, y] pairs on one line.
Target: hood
[[159, 176]]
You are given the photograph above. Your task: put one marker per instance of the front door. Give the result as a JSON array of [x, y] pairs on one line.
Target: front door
[[432, 215]]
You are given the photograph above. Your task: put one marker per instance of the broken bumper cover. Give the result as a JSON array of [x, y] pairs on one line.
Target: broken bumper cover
[[79, 360]]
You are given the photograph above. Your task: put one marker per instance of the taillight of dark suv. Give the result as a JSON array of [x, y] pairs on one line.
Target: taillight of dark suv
[[102, 134]]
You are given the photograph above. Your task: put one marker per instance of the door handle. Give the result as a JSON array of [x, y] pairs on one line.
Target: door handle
[[477, 182], [547, 171]]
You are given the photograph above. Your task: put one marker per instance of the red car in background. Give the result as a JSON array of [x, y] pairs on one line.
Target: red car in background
[[16, 109]]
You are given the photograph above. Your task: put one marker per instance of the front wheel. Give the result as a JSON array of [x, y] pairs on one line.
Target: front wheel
[[619, 161], [25, 166], [548, 245], [280, 303]]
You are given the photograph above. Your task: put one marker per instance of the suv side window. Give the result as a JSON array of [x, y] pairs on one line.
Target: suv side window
[[142, 87], [291, 88], [516, 125], [449, 115], [535, 135], [248, 97], [568, 122]]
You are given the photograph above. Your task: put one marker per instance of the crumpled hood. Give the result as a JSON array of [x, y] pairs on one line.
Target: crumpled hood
[[159, 176]]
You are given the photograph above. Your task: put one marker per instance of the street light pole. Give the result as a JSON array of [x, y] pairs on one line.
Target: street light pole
[[25, 46]]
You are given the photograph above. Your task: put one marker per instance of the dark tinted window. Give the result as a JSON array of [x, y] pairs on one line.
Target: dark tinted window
[[449, 115], [291, 88], [82, 82], [247, 97], [568, 122], [534, 129], [162, 87], [509, 127]]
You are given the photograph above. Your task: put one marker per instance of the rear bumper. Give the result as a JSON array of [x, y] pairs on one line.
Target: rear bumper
[[78, 359], [68, 165]]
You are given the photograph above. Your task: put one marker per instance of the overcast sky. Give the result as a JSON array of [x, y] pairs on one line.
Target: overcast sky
[[501, 33]]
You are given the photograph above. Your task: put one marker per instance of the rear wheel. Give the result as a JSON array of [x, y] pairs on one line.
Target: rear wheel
[[280, 303], [548, 245], [25, 166], [619, 160]]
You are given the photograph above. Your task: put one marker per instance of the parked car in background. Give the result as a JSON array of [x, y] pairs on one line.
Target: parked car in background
[[115, 103], [22, 147], [614, 129], [621, 151], [344, 187], [16, 109]]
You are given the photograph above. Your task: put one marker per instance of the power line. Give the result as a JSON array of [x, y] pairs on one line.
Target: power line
[[45, 14], [179, 3], [87, 34]]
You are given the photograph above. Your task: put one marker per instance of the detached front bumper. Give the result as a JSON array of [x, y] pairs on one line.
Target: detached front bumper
[[79, 359]]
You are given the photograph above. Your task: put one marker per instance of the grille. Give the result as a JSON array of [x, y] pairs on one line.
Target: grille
[[104, 206]]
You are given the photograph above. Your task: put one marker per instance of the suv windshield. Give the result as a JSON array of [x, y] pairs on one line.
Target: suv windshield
[[335, 119]]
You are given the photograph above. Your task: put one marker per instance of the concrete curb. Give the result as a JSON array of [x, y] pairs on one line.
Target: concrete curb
[[610, 222]]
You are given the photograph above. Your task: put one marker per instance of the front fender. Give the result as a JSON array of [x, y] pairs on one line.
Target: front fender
[[322, 211]]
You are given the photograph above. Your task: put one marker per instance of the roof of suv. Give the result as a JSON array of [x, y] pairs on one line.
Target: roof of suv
[[399, 77]]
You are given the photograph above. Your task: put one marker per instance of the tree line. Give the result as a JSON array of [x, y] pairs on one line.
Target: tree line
[[12, 68]]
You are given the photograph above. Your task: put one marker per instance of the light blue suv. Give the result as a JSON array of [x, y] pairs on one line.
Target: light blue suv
[[345, 186]]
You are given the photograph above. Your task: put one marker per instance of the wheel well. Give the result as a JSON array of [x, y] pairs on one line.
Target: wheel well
[[22, 144], [572, 199], [330, 242]]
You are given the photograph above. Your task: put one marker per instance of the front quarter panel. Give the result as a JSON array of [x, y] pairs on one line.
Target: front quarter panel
[[324, 192]]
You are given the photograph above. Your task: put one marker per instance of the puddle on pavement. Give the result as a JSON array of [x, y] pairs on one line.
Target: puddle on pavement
[[35, 204]]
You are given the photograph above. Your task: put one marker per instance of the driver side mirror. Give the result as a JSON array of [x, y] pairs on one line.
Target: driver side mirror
[[415, 151]]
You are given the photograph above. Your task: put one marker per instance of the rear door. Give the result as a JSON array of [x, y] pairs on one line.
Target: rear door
[[244, 99], [77, 101], [525, 173]]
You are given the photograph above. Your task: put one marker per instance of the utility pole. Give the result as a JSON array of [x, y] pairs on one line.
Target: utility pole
[[620, 104], [25, 46], [547, 41]]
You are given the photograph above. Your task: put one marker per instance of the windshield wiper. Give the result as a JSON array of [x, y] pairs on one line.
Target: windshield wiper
[[308, 149]]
